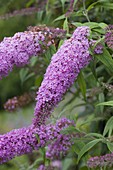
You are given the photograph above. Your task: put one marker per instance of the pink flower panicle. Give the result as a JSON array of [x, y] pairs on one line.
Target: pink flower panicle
[[61, 143], [98, 48], [22, 141], [18, 49], [18, 101], [42, 167], [109, 36], [59, 147], [101, 161], [17, 142], [52, 33], [63, 70], [57, 166], [60, 75]]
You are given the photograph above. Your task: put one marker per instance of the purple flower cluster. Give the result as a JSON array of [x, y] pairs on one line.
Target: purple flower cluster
[[60, 75], [109, 36], [59, 147], [49, 167], [53, 132], [18, 49], [41, 167], [18, 102], [63, 70], [101, 161], [17, 142], [61, 143], [51, 34], [98, 48], [23, 141], [11, 104], [53, 166]]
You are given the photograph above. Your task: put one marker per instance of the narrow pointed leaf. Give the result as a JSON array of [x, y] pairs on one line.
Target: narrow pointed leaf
[[82, 84], [108, 126], [63, 3], [106, 59], [65, 25], [110, 146], [95, 135], [109, 103], [59, 18], [87, 147]]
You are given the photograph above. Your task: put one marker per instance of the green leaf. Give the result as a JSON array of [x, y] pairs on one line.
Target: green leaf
[[60, 18], [63, 3], [23, 73], [110, 146], [87, 147], [106, 5], [62, 112], [30, 2], [93, 68], [70, 129], [91, 120], [99, 30], [82, 84], [66, 163], [77, 146], [40, 16], [100, 40], [29, 76], [33, 61], [92, 25], [101, 3], [95, 135], [77, 24], [106, 59], [36, 163], [92, 5], [109, 126], [103, 25], [60, 43], [75, 1], [110, 103], [38, 81], [77, 13], [101, 99], [52, 49], [65, 25]]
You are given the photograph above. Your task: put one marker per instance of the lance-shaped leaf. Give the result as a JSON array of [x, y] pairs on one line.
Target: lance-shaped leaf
[[87, 147]]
